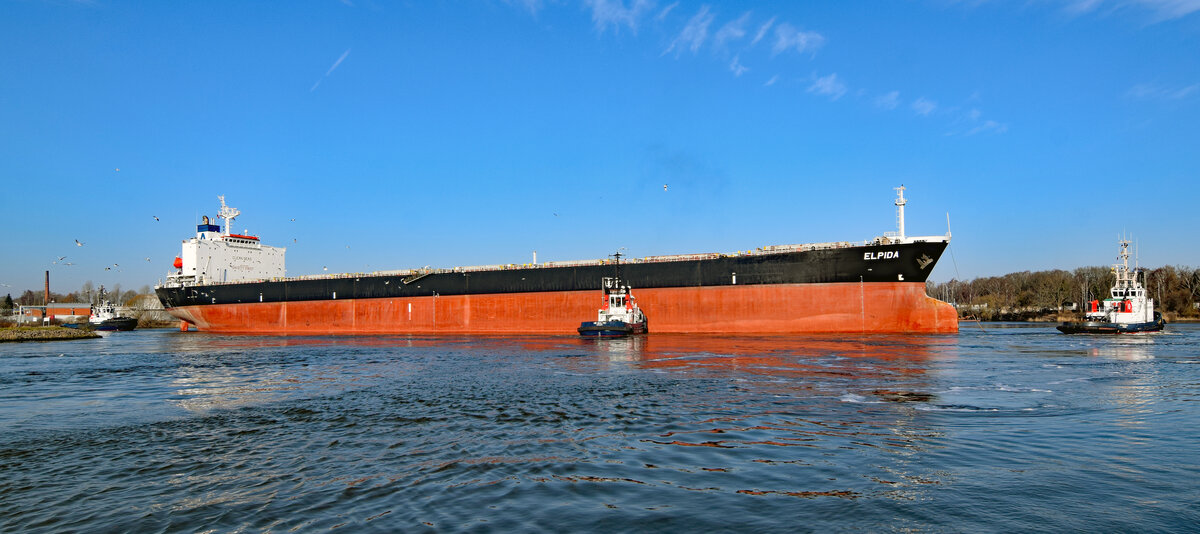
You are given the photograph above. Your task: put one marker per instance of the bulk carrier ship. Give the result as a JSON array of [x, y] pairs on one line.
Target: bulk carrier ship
[[232, 283]]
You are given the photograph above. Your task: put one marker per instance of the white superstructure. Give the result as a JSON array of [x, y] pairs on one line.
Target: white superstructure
[[217, 255], [1127, 302]]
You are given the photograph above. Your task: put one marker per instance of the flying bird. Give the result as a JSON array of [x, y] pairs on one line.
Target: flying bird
[[323, 268], [78, 244], [61, 258], [293, 219], [147, 259], [664, 187], [108, 268], [155, 217], [116, 170]]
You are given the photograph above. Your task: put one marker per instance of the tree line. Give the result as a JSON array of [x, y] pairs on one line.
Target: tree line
[[88, 293], [1175, 290]]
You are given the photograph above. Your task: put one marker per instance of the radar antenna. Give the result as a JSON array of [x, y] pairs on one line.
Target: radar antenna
[[228, 213]]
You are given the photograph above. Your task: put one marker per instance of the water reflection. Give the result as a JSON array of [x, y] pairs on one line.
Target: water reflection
[[1133, 347], [763, 417]]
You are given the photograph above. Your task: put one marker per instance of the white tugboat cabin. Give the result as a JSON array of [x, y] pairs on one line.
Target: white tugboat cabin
[[1127, 310], [620, 314]]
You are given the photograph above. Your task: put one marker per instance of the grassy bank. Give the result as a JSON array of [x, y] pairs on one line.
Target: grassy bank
[[44, 333]]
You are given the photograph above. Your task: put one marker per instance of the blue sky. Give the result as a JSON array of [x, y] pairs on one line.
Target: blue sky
[[451, 133]]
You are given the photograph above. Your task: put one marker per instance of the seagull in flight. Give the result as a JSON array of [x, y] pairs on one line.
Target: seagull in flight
[[78, 244], [155, 217], [664, 187], [61, 258], [147, 259], [293, 219]]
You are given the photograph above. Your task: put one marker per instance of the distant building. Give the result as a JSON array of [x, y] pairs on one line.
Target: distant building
[[62, 311]]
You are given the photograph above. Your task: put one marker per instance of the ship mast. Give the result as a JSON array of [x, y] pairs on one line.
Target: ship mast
[[900, 202], [227, 213]]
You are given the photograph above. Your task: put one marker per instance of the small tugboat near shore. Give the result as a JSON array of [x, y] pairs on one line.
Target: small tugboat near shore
[[104, 317], [1126, 311]]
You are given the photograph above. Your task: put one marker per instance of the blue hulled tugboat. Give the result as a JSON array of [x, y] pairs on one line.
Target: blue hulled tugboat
[[105, 317], [1126, 311], [620, 315]]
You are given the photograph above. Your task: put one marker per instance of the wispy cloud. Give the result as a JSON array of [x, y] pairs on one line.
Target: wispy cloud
[[693, 35], [888, 100], [789, 38], [533, 6], [331, 69], [736, 67], [772, 81], [1162, 10], [829, 86], [1153, 91], [666, 10], [732, 30], [988, 126], [614, 13], [923, 106], [762, 31]]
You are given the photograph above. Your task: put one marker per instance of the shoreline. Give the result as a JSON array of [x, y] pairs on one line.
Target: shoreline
[[44, 333]]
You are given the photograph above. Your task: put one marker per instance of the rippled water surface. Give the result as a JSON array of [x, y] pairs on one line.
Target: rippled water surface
[[1012, 428]]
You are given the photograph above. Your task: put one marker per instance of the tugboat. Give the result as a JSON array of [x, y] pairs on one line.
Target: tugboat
[[1126, 311], [620, 315], [104, 317]]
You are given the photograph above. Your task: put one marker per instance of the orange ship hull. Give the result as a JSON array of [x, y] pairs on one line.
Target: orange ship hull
[[875, 307]]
